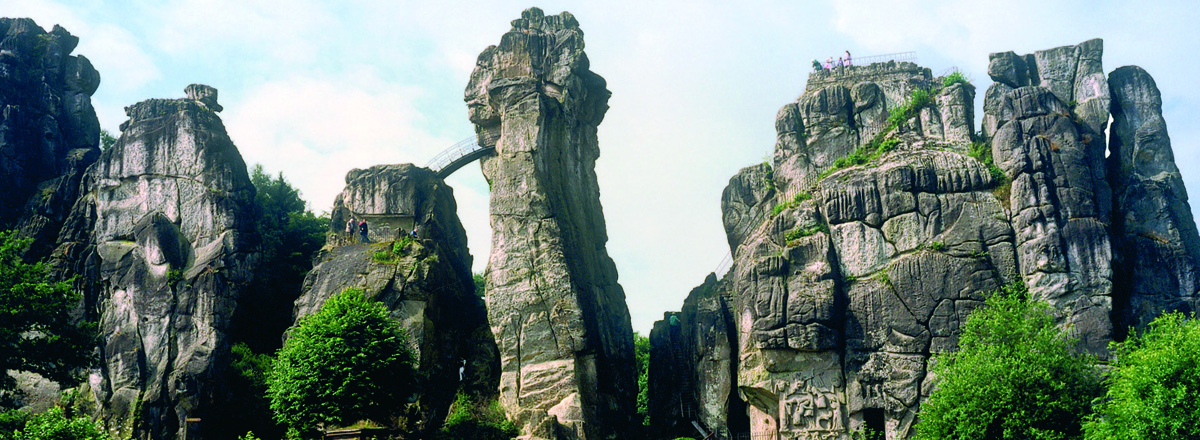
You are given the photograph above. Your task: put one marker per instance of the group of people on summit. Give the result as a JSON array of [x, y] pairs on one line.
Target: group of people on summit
[[842, 61], [362, 227]]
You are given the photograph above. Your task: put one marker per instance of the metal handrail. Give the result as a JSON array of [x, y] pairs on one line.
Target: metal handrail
[[461, 152], [898, 57]]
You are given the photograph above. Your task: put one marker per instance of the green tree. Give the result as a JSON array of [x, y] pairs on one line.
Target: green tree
[[347, 362], [1154, 387], [1016, 375], [37, 332], [641, 351]]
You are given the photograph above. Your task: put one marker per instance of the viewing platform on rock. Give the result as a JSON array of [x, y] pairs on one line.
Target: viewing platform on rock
[[899, 66]]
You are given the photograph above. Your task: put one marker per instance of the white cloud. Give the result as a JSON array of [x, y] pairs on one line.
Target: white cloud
[[288, 31], [315, 129]]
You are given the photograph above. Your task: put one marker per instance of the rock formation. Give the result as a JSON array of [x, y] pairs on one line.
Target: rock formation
[[425, 282], [861, 252], [693, 364], [555, 307], [1157, 246], [163, 239], [49, 133]]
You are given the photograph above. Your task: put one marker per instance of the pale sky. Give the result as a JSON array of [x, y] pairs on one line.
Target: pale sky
[[315, 88]]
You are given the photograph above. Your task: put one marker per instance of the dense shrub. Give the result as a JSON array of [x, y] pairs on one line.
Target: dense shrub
[[347, 362], [55, 425], [1016, 375], [1154, 387]]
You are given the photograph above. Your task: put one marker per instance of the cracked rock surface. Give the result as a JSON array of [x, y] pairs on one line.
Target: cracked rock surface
[[556, 310]]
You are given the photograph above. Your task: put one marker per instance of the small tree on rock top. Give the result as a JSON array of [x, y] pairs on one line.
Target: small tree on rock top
[[347, 362]]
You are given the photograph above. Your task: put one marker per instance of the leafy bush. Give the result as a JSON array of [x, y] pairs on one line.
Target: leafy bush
[[1154, 386], [953, 78], [1016, 375], [37, 332], [55, 425], [347, 362], [937, 246], [471, 419]]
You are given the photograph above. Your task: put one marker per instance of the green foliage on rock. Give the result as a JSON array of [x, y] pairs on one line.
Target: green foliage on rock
[[955, 77], [37, 332], [799, 233], [794, 202], [347, 362], [641, 352], [1016, 375], [476, 419], [1154, 386], [54, 424]]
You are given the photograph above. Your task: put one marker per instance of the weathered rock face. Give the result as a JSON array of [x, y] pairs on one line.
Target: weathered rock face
[[49, 133], [163, 238], [1155, 237], [845, 291], [555, 307], [427, 285], [693, 367]]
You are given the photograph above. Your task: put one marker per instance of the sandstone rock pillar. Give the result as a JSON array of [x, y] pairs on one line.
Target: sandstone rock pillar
[[1158, 249], [558, 314]]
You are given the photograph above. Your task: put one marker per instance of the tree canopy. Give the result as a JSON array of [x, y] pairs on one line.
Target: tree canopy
[[1154, 386], [37, 332], [347, 362], [1016, 375]]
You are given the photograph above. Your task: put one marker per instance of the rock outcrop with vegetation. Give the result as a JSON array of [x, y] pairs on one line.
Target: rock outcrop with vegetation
[[163, 240], [559, 316], [425, 282], [885, 219]]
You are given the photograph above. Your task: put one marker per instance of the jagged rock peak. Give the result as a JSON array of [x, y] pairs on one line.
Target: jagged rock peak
[[51, 130], [534, 19]]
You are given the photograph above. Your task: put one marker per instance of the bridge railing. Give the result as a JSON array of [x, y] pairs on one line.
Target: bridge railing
[[457, 151], [898, 57]]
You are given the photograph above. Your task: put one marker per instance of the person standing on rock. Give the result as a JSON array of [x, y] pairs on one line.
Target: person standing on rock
[[350, 224], [362, 232], [848, 59], [829, 64]]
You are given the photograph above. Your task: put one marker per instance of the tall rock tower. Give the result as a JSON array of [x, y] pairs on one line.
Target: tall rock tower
[[163, 239], [558, 314]]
